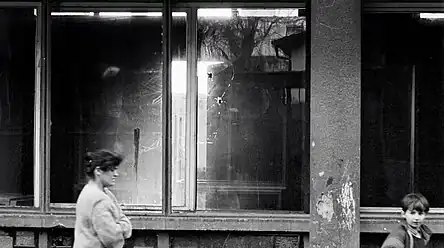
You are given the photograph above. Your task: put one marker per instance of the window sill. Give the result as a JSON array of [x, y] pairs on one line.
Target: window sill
[[373, 220], [173, 223], [382, 220]]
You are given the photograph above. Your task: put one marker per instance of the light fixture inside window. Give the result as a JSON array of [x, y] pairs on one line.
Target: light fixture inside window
[[114, 14], [228, 13], [129, 14], [215, 12], [68, 13], [135, 14], [72, 13], [431, 16], [268, 12]]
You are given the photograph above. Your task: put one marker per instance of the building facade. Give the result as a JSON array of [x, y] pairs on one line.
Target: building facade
[[243, 124]]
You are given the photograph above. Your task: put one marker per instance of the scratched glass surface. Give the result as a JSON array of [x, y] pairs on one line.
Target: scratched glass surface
[[252, 110], [402, 106], [17, 81], [106, 92]]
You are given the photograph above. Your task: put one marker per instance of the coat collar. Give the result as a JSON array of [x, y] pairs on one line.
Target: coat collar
[[424, 230]]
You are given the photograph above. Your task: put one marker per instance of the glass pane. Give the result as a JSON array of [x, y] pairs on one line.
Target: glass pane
[[179, 116], [252, 113], [106, 93], [403, 60], [386, 104], [17, 84], [429, 107]]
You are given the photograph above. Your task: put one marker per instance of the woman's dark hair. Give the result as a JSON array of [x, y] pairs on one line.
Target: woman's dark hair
[[103, 159], [415, 201]]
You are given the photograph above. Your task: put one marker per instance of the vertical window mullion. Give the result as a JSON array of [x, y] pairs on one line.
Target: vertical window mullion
[[44, 131], [191, 110], [413, 185], [38, 175], [166, 108]]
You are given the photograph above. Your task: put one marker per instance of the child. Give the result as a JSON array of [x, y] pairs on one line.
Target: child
[[412, 233]]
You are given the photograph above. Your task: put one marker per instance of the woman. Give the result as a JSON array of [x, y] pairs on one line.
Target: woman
[[100, 222]]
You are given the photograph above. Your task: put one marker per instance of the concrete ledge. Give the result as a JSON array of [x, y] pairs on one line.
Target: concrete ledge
[[375, 222], [173, 223]]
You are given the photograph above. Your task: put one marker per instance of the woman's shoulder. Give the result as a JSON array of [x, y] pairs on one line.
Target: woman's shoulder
[[91, 193]]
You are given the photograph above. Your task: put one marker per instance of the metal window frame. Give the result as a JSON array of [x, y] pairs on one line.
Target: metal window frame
[[193, 92], [166, 208], [137, 210], [192, 108], [39, 82], [167, 110]]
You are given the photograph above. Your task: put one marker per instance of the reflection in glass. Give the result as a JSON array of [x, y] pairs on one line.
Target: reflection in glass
[[179, 148], [251, 109], [17, 84], [106, 92], [402, 134]]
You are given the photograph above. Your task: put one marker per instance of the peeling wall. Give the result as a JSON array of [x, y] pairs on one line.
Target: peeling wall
[[348, 206], [324, 207]]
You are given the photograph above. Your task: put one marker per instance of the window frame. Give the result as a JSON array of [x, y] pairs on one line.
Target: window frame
[[64, 208], [384, 219], [193, 90], [39, 82]]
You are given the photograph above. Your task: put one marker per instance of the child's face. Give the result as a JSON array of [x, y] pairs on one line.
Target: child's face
[[414, 218]]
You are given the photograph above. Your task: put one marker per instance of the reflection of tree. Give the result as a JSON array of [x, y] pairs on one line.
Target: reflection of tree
[[244, 45], [236, 40]]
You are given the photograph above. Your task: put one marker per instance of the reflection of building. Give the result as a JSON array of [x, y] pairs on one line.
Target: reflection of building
[[294, 48]]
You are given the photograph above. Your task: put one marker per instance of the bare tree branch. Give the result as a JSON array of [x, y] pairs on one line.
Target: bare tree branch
[[267, 30], [224, 54], [237, 39]]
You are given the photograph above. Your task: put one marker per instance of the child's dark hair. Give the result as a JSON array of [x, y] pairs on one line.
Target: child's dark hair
[[103, 159], [415, 201]]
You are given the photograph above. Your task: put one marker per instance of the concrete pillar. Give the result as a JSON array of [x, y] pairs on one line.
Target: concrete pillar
[[335, 95]]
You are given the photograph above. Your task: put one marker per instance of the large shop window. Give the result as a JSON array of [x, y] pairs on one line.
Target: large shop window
[[17, 83], [402, 108], [106, 92], [252, 110]]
